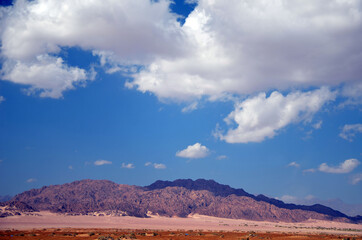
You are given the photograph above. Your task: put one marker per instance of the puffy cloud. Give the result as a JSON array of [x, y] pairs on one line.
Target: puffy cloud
[[102, 162], [248, 46], [349, 131], [345, 167], [31, 180], [356, 178], [156, 165], [159, 166], [128, 32], [294, 164], [194, 151], [47, 75], [261, 117], [128, 165], [240, 47], [2, 99]]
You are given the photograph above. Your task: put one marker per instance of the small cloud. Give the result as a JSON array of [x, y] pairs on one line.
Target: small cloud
[[310, 170], [194, 151], [156, 165], [191, 1], [31, 180], [349, 131], [294, 164], [159, 166], [309, 197], [356, 178], [128, 165], [190, 108], [70, 167], [2, 99], [317, 125], [345, 167], [102, 162], [297, 200], [221, 157], [288, 199]]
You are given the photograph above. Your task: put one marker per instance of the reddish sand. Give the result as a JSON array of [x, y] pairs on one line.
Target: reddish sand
[[195, 222]]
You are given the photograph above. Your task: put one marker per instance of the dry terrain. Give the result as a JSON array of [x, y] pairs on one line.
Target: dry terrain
[[47, 225], [112, 234]]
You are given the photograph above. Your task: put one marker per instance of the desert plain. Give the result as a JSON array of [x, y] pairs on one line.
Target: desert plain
[[47, 225]]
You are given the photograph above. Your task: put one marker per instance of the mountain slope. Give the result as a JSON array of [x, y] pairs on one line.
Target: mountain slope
[[207, 198], [225, 190]]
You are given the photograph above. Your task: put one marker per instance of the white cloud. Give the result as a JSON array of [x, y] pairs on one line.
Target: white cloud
[[191, 1], [156, 165], [47, 75], [288, 199], [241, 47], [310, 170], [244, 47], [194, 151], [2, 99], [356, 178], [191, 107], [31, 180], [128, 32], [345, 167], [349, 131], [128, 165], [102, 162], [159, 166], [221, 157], [317, 125], [261, 117], [294, 164], [353, 93]]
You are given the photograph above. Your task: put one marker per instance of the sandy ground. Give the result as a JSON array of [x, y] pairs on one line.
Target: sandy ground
[[195, 222]]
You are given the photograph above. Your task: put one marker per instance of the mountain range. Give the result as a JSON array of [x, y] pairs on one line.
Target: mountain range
[[179, 198]]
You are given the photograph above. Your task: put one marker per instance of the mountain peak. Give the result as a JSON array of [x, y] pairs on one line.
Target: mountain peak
[[180, 197]]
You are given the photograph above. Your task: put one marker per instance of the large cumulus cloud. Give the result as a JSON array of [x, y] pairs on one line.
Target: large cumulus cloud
[[224, 48]]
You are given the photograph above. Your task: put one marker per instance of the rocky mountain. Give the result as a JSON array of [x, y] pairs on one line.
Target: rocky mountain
[[179, 198], [225, 190]]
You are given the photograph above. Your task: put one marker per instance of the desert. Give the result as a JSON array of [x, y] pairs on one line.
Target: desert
[[47, 225], [101, 209]]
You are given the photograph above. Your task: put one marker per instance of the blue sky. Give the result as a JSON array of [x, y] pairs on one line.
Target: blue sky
[[139, 91]]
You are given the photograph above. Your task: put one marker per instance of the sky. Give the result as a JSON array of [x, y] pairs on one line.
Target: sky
[[260, 95]]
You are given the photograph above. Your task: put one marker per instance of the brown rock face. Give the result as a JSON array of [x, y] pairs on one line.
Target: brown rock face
[[82, 197]]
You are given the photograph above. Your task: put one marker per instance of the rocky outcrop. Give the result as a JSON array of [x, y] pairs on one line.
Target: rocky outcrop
[[179, 198]]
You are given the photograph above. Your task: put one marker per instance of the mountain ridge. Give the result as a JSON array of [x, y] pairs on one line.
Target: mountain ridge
[[225, 190], [177, 198]]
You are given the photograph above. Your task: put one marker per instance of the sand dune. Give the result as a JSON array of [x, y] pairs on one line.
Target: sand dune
[[195, 222]]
